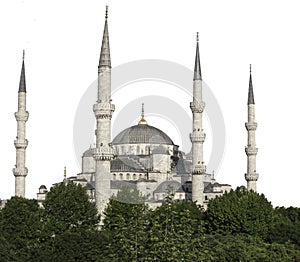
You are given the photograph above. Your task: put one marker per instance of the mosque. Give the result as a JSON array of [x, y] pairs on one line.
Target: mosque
[[142, 156]]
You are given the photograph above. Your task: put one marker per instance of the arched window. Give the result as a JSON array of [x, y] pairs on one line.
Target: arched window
[[114, 176], [121, 176], [147, 150], [127, 176], [134, 176]]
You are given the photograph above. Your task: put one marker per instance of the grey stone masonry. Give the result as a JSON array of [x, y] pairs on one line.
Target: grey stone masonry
[[20, 171]]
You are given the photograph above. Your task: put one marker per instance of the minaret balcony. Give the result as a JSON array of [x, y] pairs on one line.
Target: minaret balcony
[[251, 177], [103, 153], [197, 107], [250, 151], [251, 126], [22, 116], [103, 110], [197, 136], [21, 143], [199, 169], [20, 171]]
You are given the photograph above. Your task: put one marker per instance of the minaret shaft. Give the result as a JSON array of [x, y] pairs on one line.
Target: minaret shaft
[[103, 109], [251, 151], [197, 136], [20, 171]]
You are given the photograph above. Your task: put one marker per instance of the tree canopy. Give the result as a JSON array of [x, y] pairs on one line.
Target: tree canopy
[[238, 226], [20, 228], [67, 207], [240, 212]]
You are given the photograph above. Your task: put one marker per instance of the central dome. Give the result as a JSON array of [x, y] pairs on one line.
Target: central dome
[[142, 134]]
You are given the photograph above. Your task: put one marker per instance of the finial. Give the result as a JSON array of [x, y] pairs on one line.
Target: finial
[[197, 38], [65, 174], [250, 69], [143, 113], [23, 54], [143, 121], [106, 12]]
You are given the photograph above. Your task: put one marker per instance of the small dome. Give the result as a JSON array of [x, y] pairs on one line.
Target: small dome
[[88, 153], [43, 187], [142, 134]]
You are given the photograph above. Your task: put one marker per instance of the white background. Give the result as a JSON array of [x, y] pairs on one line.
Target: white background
[[62, 40]]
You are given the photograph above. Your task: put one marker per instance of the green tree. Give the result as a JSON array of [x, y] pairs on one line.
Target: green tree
[[240, 211], [67, 207], [176, 232], [125, 222], [70, 225], [286, 227], [20, 229], [78, 245], [242, 247]]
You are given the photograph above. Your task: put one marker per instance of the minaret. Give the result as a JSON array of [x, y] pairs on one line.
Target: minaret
[[103, 109], [251, 176], [197, 136], [20, 171]]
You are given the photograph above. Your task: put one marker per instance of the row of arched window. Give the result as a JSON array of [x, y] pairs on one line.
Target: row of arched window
[[128, 176], [128, 150]]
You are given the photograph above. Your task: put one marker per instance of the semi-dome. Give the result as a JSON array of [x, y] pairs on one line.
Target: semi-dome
[[168, 186], [88, 153], [142, 134]]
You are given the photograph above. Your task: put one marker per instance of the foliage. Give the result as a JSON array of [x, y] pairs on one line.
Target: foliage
[[247, 248], [20, 227], [238, 226], [240, 212], [125, 222], [79, 245], [286, 226], [175, 232], [67, 207], [70, 224], [7, 251]]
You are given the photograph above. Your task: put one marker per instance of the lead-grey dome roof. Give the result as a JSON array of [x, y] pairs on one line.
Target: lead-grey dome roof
[[169, 186], [142, 134]]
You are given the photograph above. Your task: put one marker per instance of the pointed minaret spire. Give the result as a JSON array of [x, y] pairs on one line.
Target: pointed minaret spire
[[250, 92], [20, 171], [22, 85], [105, 51], [143, 121], [251, 151], [197, 69]]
